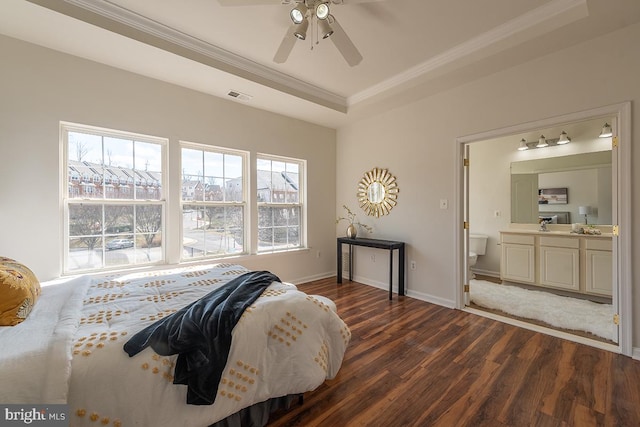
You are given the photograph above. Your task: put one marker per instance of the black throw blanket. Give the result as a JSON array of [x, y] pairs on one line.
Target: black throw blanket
[[200, 334]]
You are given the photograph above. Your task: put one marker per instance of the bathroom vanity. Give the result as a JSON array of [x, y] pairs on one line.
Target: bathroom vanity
[[578, 263]]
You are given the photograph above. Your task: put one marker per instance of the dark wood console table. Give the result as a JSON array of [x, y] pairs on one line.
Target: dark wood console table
[[374, 243]]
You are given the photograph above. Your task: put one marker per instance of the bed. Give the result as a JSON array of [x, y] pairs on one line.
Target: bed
[[70, 349]]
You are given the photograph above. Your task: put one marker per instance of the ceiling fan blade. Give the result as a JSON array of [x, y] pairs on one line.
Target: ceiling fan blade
[[344, 44], [288, 41], [253, 2]]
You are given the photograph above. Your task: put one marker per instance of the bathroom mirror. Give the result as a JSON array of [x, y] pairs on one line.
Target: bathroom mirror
[[587, 176], [377, 192]]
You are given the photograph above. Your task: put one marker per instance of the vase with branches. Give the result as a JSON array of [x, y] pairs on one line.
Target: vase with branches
[[352, 228]]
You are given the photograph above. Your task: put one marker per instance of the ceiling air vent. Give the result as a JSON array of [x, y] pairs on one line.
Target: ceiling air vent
[[239, 95]]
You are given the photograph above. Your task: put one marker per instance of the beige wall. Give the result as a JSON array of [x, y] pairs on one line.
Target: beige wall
[[417, 143], [40, 87]]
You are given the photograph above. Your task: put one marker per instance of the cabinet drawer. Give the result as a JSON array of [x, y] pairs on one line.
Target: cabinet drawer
[[518, 239], [560, 242], [598, 244]]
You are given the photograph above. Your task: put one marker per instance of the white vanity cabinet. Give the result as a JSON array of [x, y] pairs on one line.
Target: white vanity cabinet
[[560, 262], [570, 262], [598, 266], [518, 258]]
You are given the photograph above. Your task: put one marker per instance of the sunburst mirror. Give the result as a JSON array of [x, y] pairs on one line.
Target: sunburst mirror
[[377, 192]]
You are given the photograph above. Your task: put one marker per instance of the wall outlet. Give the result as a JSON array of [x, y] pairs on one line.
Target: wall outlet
[[413, 265], [444, 203], [373, 258], [496, 213], [318, 254]]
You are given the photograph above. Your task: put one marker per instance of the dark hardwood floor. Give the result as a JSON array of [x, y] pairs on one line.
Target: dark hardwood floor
[[411, 363]]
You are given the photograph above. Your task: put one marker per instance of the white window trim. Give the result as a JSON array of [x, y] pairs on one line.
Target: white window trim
[[246, 204], [302, 197], [65, 200]]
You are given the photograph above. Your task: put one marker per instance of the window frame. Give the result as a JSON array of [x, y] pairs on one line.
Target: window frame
[[302, 203], [244, 204], [104, 201]]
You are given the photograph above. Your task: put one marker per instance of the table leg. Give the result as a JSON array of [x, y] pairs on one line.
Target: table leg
[[401, 268], [351, 263], [390, 274], [339, 263]]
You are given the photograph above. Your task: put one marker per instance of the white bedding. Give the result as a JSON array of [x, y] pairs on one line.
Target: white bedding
[[287, 342], [35, 355]]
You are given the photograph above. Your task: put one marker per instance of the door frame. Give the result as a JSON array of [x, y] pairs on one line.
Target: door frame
[[621, 205]]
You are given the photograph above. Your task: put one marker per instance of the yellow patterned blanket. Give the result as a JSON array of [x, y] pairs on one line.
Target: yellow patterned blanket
[[286, 342]]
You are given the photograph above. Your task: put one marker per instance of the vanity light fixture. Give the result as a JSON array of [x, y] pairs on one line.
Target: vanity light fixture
[[564, 139], [542, 142], [606, 131]]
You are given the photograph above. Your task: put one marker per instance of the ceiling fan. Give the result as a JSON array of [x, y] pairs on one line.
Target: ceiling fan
[[317, 12]]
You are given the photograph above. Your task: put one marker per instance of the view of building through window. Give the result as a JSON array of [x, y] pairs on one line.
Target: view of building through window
[[213, 201], [114, 200], [279, 203]]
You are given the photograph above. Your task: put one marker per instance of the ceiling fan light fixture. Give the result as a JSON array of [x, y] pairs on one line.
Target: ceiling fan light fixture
[[322, 11], [325, 28], [298, 13], [301, 30]]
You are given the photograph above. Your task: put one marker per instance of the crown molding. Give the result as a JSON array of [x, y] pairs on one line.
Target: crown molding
[[114, 18], [575, 9]]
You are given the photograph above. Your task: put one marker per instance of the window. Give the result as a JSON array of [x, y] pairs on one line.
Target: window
[[107, 224], [213, 201], [280, 203]]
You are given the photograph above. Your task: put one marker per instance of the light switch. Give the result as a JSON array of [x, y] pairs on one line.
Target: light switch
[[444, 203]]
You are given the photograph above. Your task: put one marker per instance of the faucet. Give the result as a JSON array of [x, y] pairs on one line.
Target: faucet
[[543, 225]]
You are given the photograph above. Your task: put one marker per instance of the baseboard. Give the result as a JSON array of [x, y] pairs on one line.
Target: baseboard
[[306, 279], [489, 273], [432, 299], [412, 294], [635, 353]]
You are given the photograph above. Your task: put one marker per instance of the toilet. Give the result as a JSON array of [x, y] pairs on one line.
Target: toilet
[[477, 246]]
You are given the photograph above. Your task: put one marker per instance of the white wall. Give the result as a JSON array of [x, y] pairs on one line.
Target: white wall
[[40, 87], [417, 142]]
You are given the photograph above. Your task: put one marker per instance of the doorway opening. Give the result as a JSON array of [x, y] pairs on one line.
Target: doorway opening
[[522, 262]]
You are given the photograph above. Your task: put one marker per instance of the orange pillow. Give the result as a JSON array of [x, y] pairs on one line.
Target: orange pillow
[[19, 290]]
